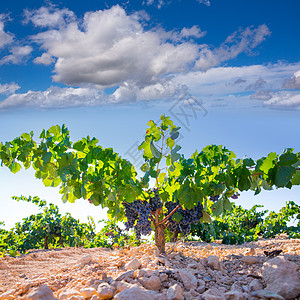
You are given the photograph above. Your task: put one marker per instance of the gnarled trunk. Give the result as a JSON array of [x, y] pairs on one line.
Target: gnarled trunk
[[160, 237]]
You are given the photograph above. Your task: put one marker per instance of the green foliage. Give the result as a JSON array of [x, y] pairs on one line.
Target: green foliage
[[49, 224], [84, 169], [242, 225]]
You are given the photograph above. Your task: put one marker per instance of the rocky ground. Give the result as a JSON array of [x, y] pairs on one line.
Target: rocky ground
[[194, 270]]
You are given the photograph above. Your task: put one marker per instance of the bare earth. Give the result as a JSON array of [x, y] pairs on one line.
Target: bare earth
[[79, 268]]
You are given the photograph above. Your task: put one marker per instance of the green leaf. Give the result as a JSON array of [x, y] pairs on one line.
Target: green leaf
[[284, 175], [268, 162], [206, 217], [15, 167], [244, 182], [296, 178], [217, 208], [154, 151], [174, 155], [287, 159]]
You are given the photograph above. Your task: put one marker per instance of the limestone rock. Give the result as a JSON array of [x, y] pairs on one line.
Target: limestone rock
[[189, 280], [88, 292], [42, 292], [125, 275], [212, 294], [152, 283], [213, 262], [85, 260], [175, 292], [134, 293], [105, 291], [235, 295], [282, 277], [265, 294], [255, 285], [68, 293], [123, 285], [7, 295], [134, 264], [249, 259]]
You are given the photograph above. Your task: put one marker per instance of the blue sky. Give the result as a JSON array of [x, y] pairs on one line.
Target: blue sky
[[227, 72]]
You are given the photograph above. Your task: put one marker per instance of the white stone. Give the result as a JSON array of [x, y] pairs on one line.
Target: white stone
[[282, 277], [175, 292], [152, 283], [88, 292], [7, 295], [188, 279], [105, 291], [235, 295], [213, 262], [134, 293], [134, 264], [123, 285], [85, 260], [250, 260], [265, 294], [66, 294], [255, 285], [42, 292]]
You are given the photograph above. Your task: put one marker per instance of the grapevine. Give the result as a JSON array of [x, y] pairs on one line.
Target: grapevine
[[186, 189]]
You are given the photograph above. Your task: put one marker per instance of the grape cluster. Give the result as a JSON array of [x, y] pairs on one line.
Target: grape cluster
[[138, 214], [235, 196], [188, 216], [214, 198], [155, 202]]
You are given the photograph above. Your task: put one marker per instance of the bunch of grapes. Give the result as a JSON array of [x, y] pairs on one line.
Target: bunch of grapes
[[138, 214], [188, 216], [235, 196], [214, 198], [155, 202]]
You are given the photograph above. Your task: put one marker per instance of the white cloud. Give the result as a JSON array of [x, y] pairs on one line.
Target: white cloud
[[194, 31], [238, 42], [221, 81], [258, 84], [55, 97], [5, 38], [293, 82], [130, 92], [262, 95], [111, 48], [17, 56], [206, 2], [44, 59], [8, 88], [49, 17], [284, 100]]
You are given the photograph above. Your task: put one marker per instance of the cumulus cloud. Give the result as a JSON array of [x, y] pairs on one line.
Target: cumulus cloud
[[293, 82], [5, 37], [284, 100], [238, 42], [55, 97], [8, 89], [262, 95], [110, 48], [18, 55], [44, 59], [48, 17], [258, 84]]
